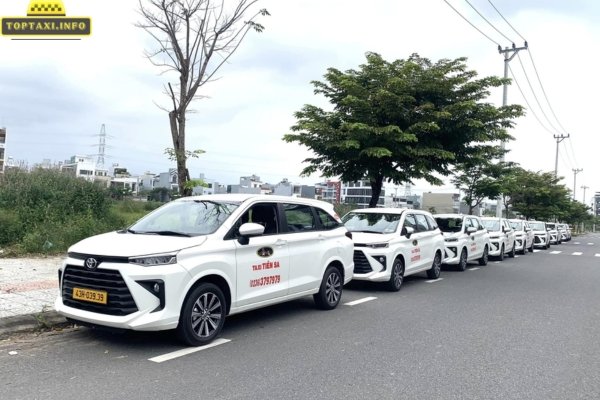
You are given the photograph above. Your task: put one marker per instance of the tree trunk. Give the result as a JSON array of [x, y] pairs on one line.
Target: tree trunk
[[376, 185]]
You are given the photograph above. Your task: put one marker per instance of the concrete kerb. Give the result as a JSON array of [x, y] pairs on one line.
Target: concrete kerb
[[30, 322]]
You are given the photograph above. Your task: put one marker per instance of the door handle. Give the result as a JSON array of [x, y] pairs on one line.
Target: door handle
[[280, 242]]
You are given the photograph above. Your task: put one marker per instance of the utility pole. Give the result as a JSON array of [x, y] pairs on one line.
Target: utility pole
[[509, 54], [575, 172], [584, 188], [559, 138]]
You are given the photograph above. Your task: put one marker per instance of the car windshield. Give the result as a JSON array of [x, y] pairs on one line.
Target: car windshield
[[537, 226], [491, 224], [516, 225], [371, 222], [185, 218], [449, 224], [551, 226]]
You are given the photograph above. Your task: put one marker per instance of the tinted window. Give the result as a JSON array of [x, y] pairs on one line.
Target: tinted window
[[432, 224], [421, 223], [449, 224], [300, 218], [327, 221], [264, 214], [410, 222], [371, 222], [516, 225]]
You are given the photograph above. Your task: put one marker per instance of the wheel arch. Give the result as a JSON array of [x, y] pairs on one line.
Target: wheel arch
[[216, 280]]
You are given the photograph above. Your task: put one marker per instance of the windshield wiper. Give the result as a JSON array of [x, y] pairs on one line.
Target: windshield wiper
[[163, 233], [367, 231], [127, 230]]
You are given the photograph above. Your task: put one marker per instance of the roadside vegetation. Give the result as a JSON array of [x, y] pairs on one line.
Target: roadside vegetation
[[45, 211]]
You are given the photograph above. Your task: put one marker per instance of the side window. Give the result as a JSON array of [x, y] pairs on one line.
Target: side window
[[431, 222], [300, 218], [479, 225], [469, 223], [264, 214], [410, 222], [327, 221], [421, 223]]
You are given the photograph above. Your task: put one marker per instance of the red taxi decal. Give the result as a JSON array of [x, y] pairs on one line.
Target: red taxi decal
[[265, 280], [415, 254], [265, 265]]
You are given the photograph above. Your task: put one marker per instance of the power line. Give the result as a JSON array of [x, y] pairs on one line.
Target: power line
[[544, 91], [489, 23], [505, 20], [572, 151], [470, 23], [527, 102], [535, 96]]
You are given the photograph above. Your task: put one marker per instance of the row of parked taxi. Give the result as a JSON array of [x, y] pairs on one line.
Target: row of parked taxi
[[194, 261]]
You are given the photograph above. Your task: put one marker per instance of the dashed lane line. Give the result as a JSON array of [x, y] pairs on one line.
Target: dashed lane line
[[556, 252], [590, 244], [473, 269], [597, 255], [576, 243], [189, 350], [360, 301], [536, 251], [577, 253], [435, 280]]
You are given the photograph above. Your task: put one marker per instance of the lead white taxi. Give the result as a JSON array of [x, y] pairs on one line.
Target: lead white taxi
[[466, 239], [193, 261], [391, 243]]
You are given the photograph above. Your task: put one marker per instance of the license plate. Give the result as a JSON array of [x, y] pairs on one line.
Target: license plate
[[93, 296]]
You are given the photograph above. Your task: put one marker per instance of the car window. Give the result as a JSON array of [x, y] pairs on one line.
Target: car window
[[469, 223], [327, 221], [299, 217], [421, 223], [410, 222], [449, 224], [264, 214], [431, 222]]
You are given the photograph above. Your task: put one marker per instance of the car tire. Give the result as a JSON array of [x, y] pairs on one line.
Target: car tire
[[512, 252], [501, 256], [524, 251], [530, 249], [436, 266], [330, 292], [397, 276], [462, 263], [202, 315], [484, 257]]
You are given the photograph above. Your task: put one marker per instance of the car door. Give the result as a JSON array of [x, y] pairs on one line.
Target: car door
[[263, 264], [306, 246], [411, 247], [474, 238], [425, 241]]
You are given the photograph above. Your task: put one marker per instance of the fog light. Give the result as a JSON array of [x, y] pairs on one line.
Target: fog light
[[156, 288]]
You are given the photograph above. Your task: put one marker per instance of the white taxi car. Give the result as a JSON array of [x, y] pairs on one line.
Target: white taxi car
[[465, 237], [541, 236], [523, 235], [193, 261], [553, 231], [502, 237], [391, 243]]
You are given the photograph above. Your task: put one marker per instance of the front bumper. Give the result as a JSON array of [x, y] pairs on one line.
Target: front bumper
[[372, 264], [452, 255], [132, 299], [495, 247], [519, 244], [540, 241]]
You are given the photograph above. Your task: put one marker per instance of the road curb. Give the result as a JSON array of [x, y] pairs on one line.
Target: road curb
[[28, 322]]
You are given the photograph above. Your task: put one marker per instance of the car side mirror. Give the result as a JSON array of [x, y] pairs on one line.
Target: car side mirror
[[407, 231], [249, 230], [471, 229]]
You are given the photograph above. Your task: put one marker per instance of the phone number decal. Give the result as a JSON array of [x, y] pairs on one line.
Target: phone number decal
[[265, 280]]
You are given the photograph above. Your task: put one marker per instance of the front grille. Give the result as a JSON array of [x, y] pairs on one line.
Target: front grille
[[120, 301], [361, 264], [537, 239]]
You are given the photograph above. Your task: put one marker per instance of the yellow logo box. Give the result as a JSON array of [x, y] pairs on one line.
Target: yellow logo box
[[46, 18]]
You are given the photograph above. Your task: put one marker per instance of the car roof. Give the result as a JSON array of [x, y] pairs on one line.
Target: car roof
[[243, 197], [453, 216], [382, 210]]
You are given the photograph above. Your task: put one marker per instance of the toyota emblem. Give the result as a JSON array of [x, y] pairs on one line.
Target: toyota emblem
[[91, 263]]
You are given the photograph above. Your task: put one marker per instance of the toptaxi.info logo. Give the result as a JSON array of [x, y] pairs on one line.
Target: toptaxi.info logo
[[46, 20]]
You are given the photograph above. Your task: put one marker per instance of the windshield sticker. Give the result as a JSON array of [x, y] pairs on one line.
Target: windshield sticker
[[265, 265]]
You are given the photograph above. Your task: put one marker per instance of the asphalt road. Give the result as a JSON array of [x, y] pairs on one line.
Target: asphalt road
[[524, 328]]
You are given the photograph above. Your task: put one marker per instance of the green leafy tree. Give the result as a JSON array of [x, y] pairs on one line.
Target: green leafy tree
[[399, 121], [536, 195]]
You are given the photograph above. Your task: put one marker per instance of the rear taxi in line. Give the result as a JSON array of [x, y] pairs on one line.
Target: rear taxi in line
[[466, 239], [523, 235], [502, 237]]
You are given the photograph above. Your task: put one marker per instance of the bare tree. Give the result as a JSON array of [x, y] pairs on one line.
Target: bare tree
[[195, 38]]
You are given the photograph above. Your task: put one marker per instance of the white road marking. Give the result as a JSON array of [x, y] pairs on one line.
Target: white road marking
[[434, 280], [536, 251], [473, 269], [577, 253], [590, 244], [517, 256], [496, 262], [576, 243], [597, 255], [189, 350], [556, 252], [359, 301]]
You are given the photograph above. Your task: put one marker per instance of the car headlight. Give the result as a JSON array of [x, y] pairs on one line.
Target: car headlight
[[451, 239], [378, 245], [158, 259]]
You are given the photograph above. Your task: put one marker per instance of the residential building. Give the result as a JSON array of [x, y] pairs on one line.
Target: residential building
[[329, 191], [210, 187], [441, 203], [80, 167], [596, 204], [359, 194], [286, 188], [2, 148], [167, 180]]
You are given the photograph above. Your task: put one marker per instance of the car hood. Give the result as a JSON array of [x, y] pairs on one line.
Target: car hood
[[368, 238], [452, 234], [130, 245]]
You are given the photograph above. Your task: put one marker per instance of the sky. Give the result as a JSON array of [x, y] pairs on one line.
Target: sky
[[55, 95]]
